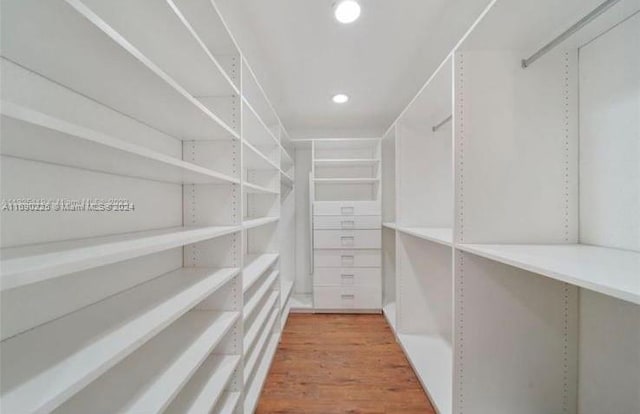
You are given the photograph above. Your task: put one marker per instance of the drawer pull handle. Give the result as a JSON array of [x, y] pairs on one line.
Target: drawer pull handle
[[348, 297], [347, 260], [347, 279], [346, 240], [348, 224], [348, 276], [347, 210]]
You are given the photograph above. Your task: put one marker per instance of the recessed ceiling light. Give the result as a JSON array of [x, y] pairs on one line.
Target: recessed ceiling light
[[347, 11], [340, 98]]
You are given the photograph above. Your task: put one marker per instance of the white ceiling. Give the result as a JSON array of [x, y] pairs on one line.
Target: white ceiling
[[303, 56]]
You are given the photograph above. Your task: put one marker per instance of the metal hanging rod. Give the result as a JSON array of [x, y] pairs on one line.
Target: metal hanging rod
[[577, 26], [439, 125]]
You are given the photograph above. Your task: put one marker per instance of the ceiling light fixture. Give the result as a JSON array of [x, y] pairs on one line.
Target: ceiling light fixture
[[347, 11], [340, 98]]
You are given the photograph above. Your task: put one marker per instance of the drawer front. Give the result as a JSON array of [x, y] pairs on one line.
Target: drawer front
[[346, 208], [346, 222], [348, 276], [347, 258], [336, 297], [346, 239]]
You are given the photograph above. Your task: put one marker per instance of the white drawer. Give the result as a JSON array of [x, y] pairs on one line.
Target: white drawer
[[346, 208], [346, 222], [337, 297], [348, 276], [346, 239], [347, 258]]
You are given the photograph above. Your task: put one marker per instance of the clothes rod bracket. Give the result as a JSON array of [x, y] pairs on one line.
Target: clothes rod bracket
[[564, 35], [439, 125]]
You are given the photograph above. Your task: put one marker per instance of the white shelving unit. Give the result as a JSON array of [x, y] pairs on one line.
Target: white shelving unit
[[509, 202], [144, 273]]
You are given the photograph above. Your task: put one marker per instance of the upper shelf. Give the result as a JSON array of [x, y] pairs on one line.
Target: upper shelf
[[346, 180], [47, 365], [22, 266], [85, 53], [347, 162], [33, 135], [612, 272]]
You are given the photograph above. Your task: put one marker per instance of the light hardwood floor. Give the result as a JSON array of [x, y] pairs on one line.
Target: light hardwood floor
[[329, 364]]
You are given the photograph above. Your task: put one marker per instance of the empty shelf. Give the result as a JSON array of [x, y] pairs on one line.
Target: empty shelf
[[255, 266], [22, 266], [432, 359], [254, 159], [285, 179], [251, 304], [114, 72], [250, 223], [390, 225], [346, 162], [228, 402], [346, 180], [256, 189], [287, 289], [441, 235], [253, 119], [36, 136], [258, 352], [47, 365], [256, 327], [206, 387], [301, 302], [612, 272], [149, 379], [252, 395]]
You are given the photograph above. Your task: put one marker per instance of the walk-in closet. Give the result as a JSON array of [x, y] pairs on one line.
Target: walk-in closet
[[337, 206]]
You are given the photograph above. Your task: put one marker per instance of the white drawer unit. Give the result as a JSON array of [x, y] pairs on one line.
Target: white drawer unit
[[346, 208], [347, 239], [347, 276], [346, 222], [347, 258], [347, 297]]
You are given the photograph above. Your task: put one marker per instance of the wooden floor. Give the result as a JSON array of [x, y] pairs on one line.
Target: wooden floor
[[341, 364]]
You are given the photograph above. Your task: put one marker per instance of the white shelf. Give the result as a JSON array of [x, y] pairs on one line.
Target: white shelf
[[251, 223], [256, 117], [149, 379], [252, 304], [255, 266], [207, 386], [45, 366], [390, 225], [608, 271], [440, 235], [346, 162], [254, 329], [301, 303], [228, 403], [56, 141], [82, 54], [346, 180], [256, 189], [285, 158], [285, 179], [257, 353], [254, 159], [286, 294], [252, 395], [432, 359], [22, 266], [389, 311]]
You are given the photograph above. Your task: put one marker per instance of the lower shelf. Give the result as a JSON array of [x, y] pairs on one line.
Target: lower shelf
[[432, 359], [302, 303], [228, 403], [255, 388]]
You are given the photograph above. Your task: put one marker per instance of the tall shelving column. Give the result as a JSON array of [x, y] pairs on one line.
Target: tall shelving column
[[346, 224], [146, 309]]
